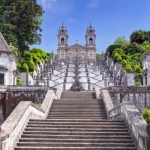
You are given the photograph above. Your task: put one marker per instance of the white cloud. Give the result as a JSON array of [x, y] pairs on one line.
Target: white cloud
[[47, 3], [72, 20], [57, 6], [93, 3]]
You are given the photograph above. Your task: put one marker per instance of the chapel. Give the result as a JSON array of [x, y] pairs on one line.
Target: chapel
[[8, 63]]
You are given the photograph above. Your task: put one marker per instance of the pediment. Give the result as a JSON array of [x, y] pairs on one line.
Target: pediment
[[3, 44], [76, 46]]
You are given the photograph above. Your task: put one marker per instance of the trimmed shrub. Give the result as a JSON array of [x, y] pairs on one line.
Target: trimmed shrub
[[128, 68], [119, 58], [138, 83], [148, 87], [19, 82], [115, 55], [119, 50], [138, 69], [124, 62], [24, 68], [35, 58], [31, 65], [146, 115]]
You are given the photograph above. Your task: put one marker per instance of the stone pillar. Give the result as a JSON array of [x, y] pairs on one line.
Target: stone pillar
[[64, 84], [144, 80], [89, 84], [50, 75], [52, 69], [148, 76], [105, 82], [10, 72]]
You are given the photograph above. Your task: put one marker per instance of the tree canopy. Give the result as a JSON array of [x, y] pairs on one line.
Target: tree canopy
[[129, 54], [140, 36], [120, 40], [20, 22]]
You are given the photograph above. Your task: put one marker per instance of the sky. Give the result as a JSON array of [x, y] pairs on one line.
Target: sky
[[110, 18]]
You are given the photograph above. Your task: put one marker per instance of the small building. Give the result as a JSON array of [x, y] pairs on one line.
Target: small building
[[8, 61], [146, 68]]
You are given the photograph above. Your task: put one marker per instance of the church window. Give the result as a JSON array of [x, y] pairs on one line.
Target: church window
[[62, 31], [90, 31], [1, 78], [62, 40], [90, 41]]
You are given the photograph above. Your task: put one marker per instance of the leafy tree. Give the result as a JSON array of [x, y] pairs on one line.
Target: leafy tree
[[20, 22], [138, 36], [14, 49], [120, 40]]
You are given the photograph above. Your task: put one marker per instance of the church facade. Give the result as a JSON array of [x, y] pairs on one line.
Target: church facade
[[84, 53]]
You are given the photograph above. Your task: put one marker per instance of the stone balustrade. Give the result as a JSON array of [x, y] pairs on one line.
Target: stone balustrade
[[132, 117]]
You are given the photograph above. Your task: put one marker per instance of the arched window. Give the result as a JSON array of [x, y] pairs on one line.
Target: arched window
[[1, 79], [90, 41], [62, 40]]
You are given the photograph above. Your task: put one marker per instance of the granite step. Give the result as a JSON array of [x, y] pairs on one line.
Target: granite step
[[76, 133], [76, 140], [75, 144], [74, 148], [82, 136], [78, 117], [78, 95], [76, 124]]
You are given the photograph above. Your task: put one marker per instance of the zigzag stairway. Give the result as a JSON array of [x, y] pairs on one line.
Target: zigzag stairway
[[77, 121]]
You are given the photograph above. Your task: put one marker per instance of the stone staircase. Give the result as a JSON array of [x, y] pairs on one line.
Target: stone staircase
[[76, 122]]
